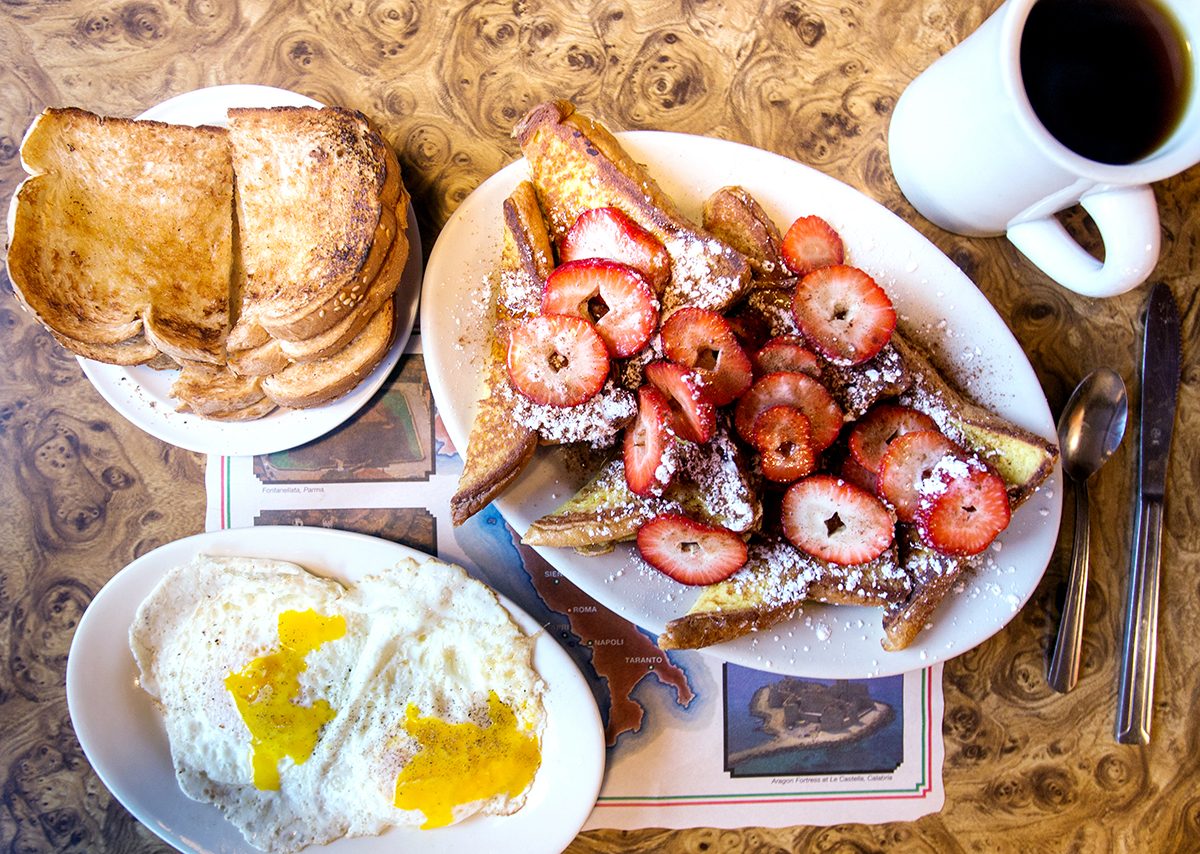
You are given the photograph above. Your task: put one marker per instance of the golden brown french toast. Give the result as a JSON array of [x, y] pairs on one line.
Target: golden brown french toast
[[736, 217], [119, 241], [500, 445], [576, 165]]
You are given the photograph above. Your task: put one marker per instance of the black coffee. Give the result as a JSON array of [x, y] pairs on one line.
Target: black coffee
[[1108, 78]]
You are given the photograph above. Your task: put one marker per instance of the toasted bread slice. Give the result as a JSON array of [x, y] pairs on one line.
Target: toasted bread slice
[[312, 183], [303, 385], [712, 483], [736, 217], [219, 394], [576, 164], [933, 576], [124, 230], [500, 445]]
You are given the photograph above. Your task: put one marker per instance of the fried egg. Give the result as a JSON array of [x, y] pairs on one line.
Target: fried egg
[[307, 711]]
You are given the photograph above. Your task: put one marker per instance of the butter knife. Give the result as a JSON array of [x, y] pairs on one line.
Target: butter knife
[[1162, 358]]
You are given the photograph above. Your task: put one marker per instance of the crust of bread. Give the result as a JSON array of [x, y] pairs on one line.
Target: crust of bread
[[303, 385], [736, 217]]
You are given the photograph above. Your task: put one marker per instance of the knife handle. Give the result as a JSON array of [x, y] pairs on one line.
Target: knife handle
[[1136, 699], [1064, 665]]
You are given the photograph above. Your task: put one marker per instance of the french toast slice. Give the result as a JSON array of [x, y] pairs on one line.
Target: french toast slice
[[772, 587], [735, 216], [500, 446], [120, 238], [713, 483], [576, 164], [311, 186]]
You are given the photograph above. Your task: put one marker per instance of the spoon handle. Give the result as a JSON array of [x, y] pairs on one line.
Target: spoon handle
[[1064, 665]]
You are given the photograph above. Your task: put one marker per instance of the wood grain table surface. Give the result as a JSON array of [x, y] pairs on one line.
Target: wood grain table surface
[[1026, 769]]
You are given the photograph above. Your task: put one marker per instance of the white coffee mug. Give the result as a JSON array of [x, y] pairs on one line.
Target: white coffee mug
[[971, 156]]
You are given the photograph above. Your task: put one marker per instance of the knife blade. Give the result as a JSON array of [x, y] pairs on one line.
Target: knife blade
[[1162, 361]]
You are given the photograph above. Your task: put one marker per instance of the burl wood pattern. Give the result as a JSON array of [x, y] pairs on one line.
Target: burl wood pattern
[[83, 492]]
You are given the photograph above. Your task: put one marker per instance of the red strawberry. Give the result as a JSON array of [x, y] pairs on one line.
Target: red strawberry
[[811, 243], [648, 443], [783, 438], [704, 340], [786, 353], [609, 233], [835, 520], [844, 314], [793, 389], [613, 296], [908, 464], [882, 424], [964, 510], [691, 552], [557, 359], [854, 472], [695, 416]]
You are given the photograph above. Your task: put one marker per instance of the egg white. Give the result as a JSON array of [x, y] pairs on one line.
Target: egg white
[[415, 634]]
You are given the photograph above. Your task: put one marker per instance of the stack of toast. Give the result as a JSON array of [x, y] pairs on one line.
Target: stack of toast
[[731, 266], [260, 259]]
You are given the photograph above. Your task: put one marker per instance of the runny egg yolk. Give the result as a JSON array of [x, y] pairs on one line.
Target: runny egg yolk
[[460, 763], [266, 690]]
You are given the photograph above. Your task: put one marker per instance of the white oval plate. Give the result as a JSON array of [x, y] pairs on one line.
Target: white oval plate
[[123, 736], [937, 304], [141, 394]]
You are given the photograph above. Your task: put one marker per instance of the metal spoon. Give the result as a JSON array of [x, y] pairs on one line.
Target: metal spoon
[[1089, 431]]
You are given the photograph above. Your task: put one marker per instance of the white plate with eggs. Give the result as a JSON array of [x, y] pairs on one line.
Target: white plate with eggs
[[124, 738]]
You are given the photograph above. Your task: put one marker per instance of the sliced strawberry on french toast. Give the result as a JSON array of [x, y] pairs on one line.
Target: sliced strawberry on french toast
[[614, 296], [704, 340], [557, 359], [609, 234], [689, 398], [649, 447], [690, 552], [811, 243], [843, 313], [836, 521]]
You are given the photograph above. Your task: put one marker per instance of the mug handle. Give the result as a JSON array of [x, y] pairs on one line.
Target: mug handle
[[1127, 218]]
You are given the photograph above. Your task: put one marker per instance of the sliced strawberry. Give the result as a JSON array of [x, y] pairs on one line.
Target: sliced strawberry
[[843, 313], [854, 472], [811, 243], [557, 359], [793, 389], [908, 464], [704, 340], [964, 510], [882, 424], [786, 353], [835, 520], [609, 233], [691, 552], [695, 417], [782, 436], [614, 296], [648, 443]]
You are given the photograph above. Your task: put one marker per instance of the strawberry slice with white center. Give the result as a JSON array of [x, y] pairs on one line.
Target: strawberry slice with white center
[[908, 465], [695, 416], [557, 359], [609, 233], [811, 243], [792, 389], [614, 296], [783, 438], [883, 424], [702, 339], [964, 511], [843, 313], [690, 552], [836, 521], [786, 353], [649, 445]]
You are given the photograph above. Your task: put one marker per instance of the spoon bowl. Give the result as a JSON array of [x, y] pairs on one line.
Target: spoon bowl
[[1090, 430]]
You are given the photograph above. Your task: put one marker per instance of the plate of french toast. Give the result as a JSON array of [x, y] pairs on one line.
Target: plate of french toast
[[236, 270], [738, 402]]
